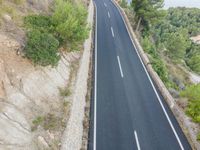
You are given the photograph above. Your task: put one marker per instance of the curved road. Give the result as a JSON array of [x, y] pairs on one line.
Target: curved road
[[127, 112]]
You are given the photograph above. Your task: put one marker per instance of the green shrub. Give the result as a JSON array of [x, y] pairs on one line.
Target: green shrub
[[160, 68], [194, 63], [193, 57], [65, 92], [193, 94], [38, 22], [48, 122], [198, 136], [123, 3], [193, 110], [38, 120], [41, 48], [67, 26], [156, 62], [70, 24]]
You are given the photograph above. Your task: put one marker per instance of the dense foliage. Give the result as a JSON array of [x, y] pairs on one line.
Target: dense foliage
[[193, 58], [175, 32], [67, 26], [41, 48], [170, 37], [156, 62], [123, 3], [148, 11], [38, 22], [193, 94], [187, 18], [69, 22]]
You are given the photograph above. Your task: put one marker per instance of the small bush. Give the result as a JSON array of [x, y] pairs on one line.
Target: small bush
[[48, 122], [67, 27], [193, 110], [41, 48], [193, 57], [157, 64], [123, 3], [38, 120], [193, 94], [198, 136], [65, 92], [52, 122], [38, 22], [194, 63]]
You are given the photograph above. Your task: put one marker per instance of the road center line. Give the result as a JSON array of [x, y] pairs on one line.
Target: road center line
[[137, 141], [112, 32], [120, 67], [105, 4], [108, 14]]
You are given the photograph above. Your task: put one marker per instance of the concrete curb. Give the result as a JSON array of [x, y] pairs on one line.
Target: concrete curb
[[184, 121], [72, 136]]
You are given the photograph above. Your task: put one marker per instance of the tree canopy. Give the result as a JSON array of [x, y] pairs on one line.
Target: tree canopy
[[70, 22], [149, 11]]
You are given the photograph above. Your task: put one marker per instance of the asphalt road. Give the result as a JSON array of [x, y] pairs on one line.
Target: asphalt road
[[127, 112]]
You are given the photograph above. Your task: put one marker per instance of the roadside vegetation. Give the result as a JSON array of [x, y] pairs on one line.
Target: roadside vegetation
[[193, 94], [66, 27], [48, 122], [165, 36]]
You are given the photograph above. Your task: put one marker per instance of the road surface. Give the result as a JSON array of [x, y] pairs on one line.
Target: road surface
[[127, 112]]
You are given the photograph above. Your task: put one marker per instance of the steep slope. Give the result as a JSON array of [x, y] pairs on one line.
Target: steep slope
[[34, 101]]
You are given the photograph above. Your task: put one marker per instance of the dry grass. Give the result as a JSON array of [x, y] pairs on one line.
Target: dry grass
[[65, 92], [48, 122]]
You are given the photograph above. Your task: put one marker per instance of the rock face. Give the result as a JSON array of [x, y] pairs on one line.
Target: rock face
[[27, 92]]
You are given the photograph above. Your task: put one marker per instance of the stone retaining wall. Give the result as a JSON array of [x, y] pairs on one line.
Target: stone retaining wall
[[72, 137]]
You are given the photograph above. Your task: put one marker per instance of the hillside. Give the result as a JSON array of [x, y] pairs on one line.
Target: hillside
[[35, 97]]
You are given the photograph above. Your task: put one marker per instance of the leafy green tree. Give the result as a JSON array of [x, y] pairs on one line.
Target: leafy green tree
[[70, 24], [148, 11], [187, 18], [176, 44], [41, 48]]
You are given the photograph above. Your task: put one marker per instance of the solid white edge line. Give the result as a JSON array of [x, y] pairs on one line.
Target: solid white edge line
[[95, 82], [158, 97], [108, 14], [105, 4], [120, 67], [112, 32], [137, 140]]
